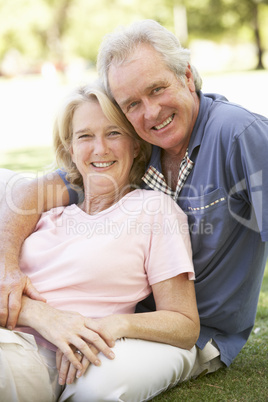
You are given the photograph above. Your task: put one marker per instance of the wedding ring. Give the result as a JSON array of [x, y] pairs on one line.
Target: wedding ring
[[78, 352]]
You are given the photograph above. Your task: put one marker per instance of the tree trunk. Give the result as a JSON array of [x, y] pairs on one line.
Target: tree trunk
[[256, 28]]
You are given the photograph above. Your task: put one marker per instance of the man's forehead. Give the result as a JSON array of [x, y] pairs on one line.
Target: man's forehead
[[135, 70], [136, 52]]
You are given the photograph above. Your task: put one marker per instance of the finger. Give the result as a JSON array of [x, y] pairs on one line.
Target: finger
[[3, 307], [14, 306], [91, 355], [95, 340], [59, 356], [71, 375], [85, 364], [63, 370], [103, 332], [32, 292], [70, 356]]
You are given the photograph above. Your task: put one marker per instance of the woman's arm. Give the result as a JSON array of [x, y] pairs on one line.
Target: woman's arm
[[67, 331], [22, 202], [176, 321]]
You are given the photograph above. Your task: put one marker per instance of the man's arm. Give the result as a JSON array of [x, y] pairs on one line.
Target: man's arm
[[21, 203]]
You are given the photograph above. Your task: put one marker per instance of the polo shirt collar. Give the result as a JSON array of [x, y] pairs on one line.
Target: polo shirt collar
[[206, 100]]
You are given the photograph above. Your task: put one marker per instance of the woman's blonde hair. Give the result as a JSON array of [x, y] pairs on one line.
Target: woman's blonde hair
[[63, 132]]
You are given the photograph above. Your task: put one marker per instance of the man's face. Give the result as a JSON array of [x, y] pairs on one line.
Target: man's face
[[161, 107]]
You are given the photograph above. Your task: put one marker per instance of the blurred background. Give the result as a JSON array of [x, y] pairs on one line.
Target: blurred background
[[49, 46]]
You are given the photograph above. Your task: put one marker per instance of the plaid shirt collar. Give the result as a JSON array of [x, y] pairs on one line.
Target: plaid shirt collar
[[156, 180]]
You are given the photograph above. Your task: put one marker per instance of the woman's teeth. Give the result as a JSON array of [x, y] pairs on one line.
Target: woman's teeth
[[165, 123], [102, 164]]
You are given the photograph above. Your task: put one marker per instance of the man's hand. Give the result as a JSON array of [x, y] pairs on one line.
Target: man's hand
[[13, 283], [67, 371]]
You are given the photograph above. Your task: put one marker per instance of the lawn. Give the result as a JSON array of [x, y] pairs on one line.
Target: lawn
[[247, 378]]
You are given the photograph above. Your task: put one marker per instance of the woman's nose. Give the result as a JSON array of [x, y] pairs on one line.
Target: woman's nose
[[100, 146]]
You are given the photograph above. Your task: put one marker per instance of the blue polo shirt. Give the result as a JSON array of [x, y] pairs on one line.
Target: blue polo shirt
[[225, 197]]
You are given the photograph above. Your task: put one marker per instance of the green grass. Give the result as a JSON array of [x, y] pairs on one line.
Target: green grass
[[247, 378], [27, 159]]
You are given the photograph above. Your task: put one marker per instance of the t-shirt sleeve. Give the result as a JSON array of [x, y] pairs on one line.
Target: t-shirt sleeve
[[249, 166], [170, 251], [74, 195]]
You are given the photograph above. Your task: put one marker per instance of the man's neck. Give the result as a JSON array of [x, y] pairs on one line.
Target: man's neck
[[171, 167]]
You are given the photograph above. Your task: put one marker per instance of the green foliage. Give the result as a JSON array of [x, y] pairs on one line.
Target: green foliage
[[17, 20], [59, 30]]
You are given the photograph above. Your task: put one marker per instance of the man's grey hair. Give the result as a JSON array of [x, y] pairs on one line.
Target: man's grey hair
[[119, 45]]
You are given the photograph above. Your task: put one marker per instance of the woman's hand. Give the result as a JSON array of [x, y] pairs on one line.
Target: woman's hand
[[67, 329], [67, 371]]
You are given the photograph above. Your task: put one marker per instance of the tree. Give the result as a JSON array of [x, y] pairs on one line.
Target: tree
[[218, 18], [51, 36]]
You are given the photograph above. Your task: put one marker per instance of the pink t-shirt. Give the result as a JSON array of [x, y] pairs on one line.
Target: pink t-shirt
[[105, 263]]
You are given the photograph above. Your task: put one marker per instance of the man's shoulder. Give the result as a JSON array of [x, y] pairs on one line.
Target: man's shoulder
[[224, 110], [229, 119]]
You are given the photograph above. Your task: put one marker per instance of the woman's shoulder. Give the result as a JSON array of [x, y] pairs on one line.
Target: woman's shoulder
[[154, 202], [54, 214]]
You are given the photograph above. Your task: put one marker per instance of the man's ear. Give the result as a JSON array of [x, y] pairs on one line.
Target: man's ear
[[189, 78]]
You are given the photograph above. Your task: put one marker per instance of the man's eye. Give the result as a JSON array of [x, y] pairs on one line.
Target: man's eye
[[132, 104], [158, 89]]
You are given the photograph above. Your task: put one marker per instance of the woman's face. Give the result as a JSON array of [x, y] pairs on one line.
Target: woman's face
[[102, 152]]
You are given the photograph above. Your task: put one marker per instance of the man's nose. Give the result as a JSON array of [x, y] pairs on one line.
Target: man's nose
[[151, 109]]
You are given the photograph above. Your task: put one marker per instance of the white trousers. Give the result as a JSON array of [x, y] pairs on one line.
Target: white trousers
[[140, 371]]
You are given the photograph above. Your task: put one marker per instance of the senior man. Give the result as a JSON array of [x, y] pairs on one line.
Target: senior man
[[209, 155]]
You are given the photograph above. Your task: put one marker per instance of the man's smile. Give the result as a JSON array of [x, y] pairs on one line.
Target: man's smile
[[165, 123]]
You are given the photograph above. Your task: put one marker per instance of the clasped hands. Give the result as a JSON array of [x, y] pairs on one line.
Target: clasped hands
[[68, 331], [71, 331], [68, 371]]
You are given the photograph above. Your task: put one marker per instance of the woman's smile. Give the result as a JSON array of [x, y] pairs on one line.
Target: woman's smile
[[102, 164]]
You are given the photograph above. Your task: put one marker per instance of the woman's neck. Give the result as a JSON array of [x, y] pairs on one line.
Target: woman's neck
[[95, 203]]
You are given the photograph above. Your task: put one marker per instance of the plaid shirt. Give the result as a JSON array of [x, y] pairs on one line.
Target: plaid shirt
[[156, 180]]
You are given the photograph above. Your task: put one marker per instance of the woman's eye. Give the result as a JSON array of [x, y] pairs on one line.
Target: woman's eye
[[84, 136], [114, 133]]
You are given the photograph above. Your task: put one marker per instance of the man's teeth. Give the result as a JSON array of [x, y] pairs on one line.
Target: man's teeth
[[102, 164], [165, 123]]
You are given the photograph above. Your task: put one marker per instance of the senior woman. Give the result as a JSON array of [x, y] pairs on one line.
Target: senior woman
[[93, 263]]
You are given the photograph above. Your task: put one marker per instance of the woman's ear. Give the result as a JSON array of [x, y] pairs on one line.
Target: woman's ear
[[72, 153], [137, 148]]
